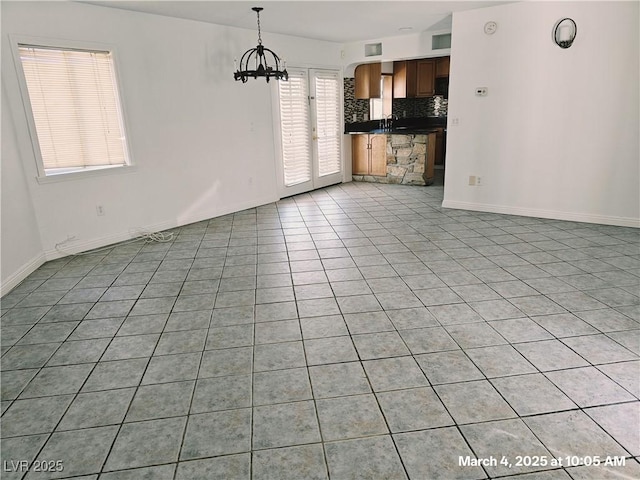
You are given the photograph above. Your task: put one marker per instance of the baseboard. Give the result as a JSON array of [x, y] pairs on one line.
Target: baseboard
[[225, 210], [540, 213], [23, 272], [72, 248], [75, 247]]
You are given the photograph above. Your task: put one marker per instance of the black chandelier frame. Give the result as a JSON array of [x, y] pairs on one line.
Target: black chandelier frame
[[255, 62]]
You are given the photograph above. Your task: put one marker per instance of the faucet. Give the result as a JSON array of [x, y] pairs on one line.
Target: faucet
[[388, 121]]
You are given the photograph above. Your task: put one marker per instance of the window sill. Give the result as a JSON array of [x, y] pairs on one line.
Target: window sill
[[82, 174]]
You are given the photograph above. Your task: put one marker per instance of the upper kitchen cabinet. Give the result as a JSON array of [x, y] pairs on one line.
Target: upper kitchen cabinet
[[426, 75], [367, 79], [442, 67], [442, 76], [404, 79], [417, 78]]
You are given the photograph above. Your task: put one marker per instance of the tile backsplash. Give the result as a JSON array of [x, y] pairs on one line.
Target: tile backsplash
[[402, 107], [352, 107], [435, 106]]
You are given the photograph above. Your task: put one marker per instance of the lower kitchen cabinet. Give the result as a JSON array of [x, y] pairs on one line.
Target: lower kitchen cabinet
[[429, 166], [360, 154], [440, 146], [369, 154]]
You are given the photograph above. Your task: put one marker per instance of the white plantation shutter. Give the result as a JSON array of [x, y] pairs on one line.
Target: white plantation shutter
[[295, 127], [327, 94], [76, 108]]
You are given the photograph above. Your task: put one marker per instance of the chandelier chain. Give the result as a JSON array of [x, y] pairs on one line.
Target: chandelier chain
[[259, 34]]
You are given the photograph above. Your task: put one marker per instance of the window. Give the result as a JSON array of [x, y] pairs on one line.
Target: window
[[381, 107], [75, 109]]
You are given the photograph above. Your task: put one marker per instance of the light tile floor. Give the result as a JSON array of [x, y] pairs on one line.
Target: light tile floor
[[359, 331]]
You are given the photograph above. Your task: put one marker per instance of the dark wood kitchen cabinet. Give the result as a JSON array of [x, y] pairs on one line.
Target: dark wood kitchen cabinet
[[442, 66], [429, 167], [426, 75], [369, 154], [367, 80], [416, 78], [440, 147], [404, 79]]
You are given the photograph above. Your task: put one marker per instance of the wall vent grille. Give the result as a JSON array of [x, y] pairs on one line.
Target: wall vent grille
[[372, 49], [439, 42]]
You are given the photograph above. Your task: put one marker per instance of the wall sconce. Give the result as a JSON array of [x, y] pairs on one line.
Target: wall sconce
[[564, 33]]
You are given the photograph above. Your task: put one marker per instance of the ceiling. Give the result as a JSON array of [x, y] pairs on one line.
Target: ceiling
[[335, 21]]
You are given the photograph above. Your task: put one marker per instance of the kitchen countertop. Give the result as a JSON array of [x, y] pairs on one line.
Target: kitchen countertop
[[402, 126], [401, 131]]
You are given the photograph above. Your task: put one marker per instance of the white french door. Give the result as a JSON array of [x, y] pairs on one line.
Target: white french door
[[310, 130]]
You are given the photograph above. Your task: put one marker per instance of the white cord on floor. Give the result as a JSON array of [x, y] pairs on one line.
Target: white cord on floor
[[147, 237], [159, 237]]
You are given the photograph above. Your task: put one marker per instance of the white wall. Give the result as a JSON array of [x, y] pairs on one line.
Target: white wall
[[202, 143], [558, 134], [400, 47], [20, 245]]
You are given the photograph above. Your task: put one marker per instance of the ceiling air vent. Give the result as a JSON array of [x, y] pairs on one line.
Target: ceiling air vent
[[438, 42], [372, 49]]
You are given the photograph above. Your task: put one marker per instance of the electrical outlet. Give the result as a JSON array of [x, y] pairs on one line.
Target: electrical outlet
[[478, 181], [455, 122], [472, 180], [99, 210]]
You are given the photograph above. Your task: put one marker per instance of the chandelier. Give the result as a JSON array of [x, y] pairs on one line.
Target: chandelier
[[260, 61]]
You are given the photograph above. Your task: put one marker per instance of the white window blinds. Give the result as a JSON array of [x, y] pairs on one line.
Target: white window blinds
[[328, 122], [294, 121], [76, 108]]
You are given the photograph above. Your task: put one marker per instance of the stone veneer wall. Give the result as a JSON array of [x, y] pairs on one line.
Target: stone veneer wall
[[406, 159]]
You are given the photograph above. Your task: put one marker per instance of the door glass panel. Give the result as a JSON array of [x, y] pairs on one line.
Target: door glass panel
[[328, 131], [295, 126]]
